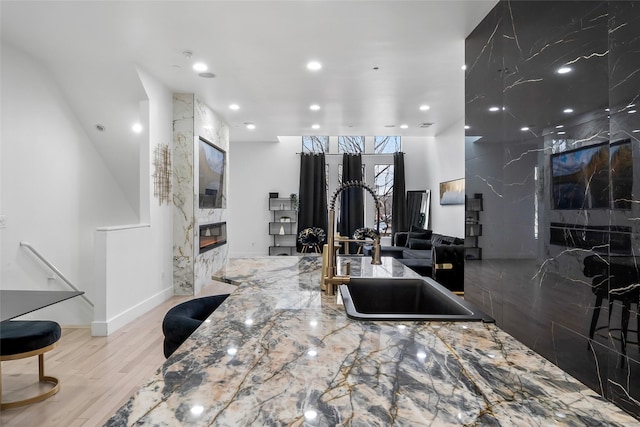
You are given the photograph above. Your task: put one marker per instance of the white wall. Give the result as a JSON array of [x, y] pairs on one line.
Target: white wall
[[256, 170], [134, 263], [56, 189], [445, 161], [264, 167]]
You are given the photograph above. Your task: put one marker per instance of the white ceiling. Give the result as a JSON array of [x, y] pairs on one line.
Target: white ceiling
[[258, 51]]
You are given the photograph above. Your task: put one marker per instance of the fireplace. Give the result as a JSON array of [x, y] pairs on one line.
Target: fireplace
[[212, 236]]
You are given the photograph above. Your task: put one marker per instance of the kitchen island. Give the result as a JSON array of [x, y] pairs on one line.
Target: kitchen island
[[280, 352]]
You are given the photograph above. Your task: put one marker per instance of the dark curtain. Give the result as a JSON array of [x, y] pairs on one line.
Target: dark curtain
[[352, 200], [414, 204], [312, 206], [398, 203]]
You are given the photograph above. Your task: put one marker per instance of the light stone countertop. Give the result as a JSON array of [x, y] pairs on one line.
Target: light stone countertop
[[280, 352]]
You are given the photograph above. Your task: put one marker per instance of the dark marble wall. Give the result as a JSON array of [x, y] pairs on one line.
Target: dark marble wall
[[560, 273]]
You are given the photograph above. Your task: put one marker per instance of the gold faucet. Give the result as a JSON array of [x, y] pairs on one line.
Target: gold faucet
[[330, 280]]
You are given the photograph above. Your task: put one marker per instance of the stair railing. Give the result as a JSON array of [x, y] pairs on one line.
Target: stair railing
[[54, 269]]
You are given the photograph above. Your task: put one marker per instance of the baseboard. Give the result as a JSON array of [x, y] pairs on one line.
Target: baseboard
[[104, 328]]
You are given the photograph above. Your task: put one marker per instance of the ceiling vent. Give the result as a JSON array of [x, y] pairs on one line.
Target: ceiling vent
[[425, 125]]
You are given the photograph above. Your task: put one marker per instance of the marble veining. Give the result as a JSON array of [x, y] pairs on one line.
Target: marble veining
[[280, 352], [193, 119], [543, 227]]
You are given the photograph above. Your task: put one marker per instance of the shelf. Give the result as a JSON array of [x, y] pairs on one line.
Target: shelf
[[283, 226], [280, 204], [473, 227], [282, 250]]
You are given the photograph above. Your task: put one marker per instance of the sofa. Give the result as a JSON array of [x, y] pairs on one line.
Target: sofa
[[438, 256]]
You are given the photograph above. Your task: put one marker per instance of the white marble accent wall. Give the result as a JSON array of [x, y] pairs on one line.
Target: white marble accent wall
[[193, 119]]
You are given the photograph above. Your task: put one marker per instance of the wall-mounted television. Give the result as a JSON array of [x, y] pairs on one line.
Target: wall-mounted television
[[211, 161], [621, 166], [580, 178]]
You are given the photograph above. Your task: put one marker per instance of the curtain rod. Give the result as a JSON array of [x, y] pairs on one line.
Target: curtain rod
[[362, 154]]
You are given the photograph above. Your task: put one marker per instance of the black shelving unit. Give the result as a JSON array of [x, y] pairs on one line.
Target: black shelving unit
[[472, 226], [283, 227]]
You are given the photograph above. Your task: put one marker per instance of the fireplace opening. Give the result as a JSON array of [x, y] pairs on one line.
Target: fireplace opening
[[212, 236]]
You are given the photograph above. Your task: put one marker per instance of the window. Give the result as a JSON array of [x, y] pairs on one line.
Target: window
[[387, 144], [377, 170], [315, 144], [339, 198], [350, 144], [383, 186]]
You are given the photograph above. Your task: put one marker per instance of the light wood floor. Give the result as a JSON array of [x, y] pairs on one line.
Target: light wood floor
[[97, 374]]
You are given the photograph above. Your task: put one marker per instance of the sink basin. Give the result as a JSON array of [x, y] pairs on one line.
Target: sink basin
[[406, 299]]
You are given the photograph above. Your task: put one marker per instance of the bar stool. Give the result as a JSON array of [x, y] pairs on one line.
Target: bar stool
[[311, 238], [183, 319], [26, 338]]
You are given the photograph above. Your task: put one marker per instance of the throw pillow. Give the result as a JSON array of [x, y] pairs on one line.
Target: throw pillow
[[419, 244], [425, 235], [416, 229]]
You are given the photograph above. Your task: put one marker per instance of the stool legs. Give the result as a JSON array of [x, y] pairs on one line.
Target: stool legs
[[41, 377]]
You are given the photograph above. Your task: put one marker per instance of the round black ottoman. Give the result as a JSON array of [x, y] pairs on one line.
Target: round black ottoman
[[180, 322], [26, 338]]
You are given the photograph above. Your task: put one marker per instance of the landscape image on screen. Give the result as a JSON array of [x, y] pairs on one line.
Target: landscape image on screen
[[621, 165], [211, 162], [580, 178]]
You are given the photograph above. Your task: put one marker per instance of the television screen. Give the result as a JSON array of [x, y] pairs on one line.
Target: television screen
[[580, 178], [211, 160], [621, 165]]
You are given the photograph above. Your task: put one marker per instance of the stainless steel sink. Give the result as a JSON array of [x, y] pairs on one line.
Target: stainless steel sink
[[406, 299]]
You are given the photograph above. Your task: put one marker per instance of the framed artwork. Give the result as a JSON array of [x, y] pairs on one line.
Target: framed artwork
[[452, 192]]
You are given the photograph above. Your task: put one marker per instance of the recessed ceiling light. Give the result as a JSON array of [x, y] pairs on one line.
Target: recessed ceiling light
[[137, 127], [464, 67], [314, 65], [424, 107], [403, 126], [315, 126], [568, 110], [251, 126], [561, 133], [635, 130], [200, 66], [494, 109], [632, 111], [234, 107], [524, 129], [607, 110], [564, 70], [314, 107], [559, 126], [467, 127]]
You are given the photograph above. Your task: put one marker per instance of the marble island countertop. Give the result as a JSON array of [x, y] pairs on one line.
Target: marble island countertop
[[280, 352]]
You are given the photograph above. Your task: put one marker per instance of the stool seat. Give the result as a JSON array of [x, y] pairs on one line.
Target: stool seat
[[183, 319], [26, 338], [21, 336]]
